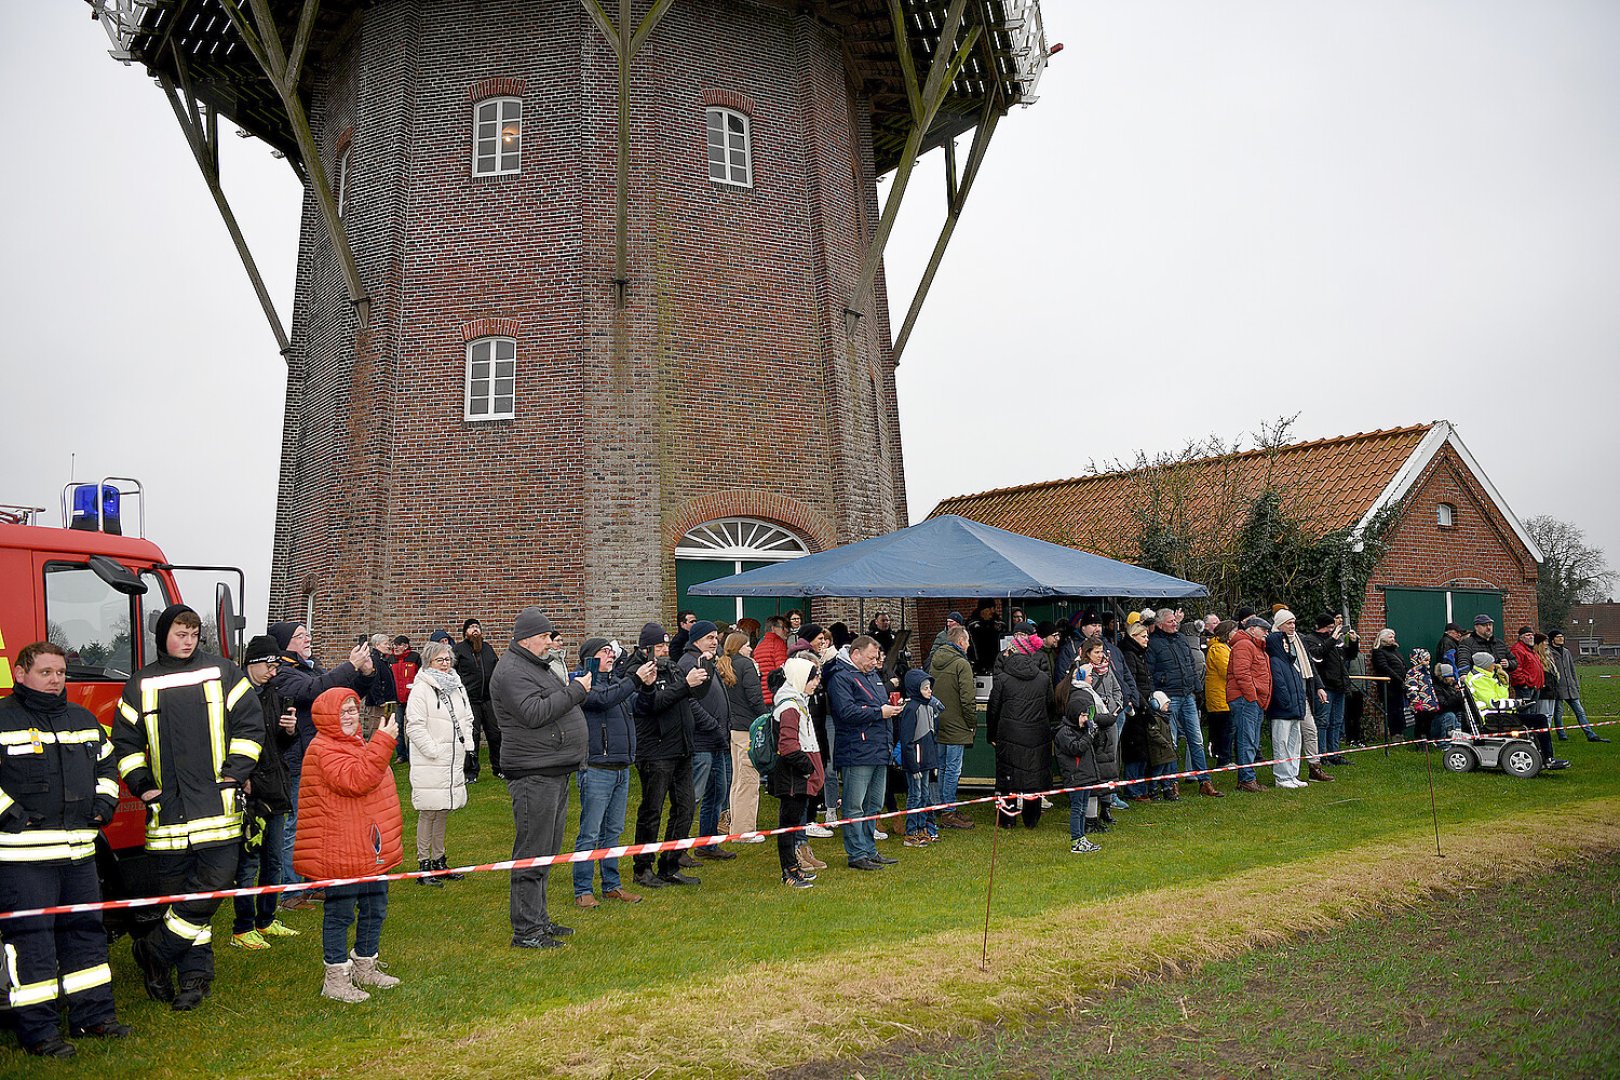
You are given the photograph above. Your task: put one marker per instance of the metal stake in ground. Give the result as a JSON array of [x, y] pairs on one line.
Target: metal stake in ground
[[990, 886], [1428, 759]]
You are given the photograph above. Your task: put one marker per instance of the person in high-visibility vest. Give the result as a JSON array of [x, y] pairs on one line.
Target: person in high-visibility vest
[[189, 732], [57, 788]]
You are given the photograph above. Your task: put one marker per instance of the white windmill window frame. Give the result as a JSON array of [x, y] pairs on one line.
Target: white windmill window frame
[[741, 539], [491, 381], [490, 119], [731, 147]]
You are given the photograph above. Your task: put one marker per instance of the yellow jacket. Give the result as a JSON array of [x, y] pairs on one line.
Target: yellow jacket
[[1215, 664]]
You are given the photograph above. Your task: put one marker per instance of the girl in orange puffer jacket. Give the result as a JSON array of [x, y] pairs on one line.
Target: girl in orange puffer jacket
[[349, 825]]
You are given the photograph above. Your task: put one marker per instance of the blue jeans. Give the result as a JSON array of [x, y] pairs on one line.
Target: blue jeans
[[262, 866], [1444, 725], [950, 771], [1184, 726], [1578, 710], [1246, 717], [922, 789], [711, 786], [604, 795], [863, 794], [1077, 812], [1330, 723], [371, 900]]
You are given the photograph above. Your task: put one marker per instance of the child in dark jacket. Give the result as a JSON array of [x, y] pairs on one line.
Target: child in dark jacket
[[1084, 747], [914, 736]]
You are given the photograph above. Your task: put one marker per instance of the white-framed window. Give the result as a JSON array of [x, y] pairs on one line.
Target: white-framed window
[[1445, 515], [491, 378], [497, 136], [343, 178], [731, 151]]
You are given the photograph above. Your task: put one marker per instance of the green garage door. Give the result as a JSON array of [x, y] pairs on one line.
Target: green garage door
[[728, 546], [1419, 616]]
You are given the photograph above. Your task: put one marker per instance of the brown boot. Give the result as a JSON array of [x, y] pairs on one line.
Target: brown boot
[[1208, 789], [1319, 773], [1249, 785]]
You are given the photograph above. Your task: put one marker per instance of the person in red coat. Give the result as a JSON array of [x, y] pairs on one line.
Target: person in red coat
[[771, 652], [349, 826], [1248, 690]]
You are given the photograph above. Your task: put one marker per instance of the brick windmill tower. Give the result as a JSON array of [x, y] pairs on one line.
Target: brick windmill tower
[[590, 302]]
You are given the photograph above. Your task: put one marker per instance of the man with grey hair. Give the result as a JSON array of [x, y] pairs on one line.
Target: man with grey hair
[[1178, 672], [544, 742]]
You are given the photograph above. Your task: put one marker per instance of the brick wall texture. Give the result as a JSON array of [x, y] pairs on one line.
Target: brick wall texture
[[729, 383]]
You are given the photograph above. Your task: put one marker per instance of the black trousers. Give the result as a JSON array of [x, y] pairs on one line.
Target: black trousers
[[184, 939], [484, 729], [670, 779], [793, 810], [55, 958]]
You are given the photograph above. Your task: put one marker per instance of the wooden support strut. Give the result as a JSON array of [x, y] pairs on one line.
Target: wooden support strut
[[942, 72], [204, 144], [626, 45], [263, 40], [956, 194]]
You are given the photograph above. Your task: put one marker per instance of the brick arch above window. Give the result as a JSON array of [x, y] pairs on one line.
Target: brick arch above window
[[488, 327], [767, 506], [345, 140], [730, 99], [498, 86]]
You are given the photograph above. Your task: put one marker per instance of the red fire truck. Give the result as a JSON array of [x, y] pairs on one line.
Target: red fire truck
[[97, 593]]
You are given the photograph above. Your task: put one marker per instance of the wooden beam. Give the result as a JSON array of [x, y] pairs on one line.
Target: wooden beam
[[306, 24], [908, 64], [594, 9], [649, 23], [183, 113]]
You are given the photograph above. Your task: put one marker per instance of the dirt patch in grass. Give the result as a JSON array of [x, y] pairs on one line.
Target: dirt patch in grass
[[1514, 978], [772, 1015]]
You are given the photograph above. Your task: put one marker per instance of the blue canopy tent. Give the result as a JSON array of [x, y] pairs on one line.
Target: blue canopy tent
[[952, 556]]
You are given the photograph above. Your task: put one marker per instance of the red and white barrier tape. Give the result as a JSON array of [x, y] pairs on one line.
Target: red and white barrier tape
[[622, 850]]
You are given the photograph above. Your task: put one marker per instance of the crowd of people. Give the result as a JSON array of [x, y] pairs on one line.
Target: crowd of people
[[264, 773]]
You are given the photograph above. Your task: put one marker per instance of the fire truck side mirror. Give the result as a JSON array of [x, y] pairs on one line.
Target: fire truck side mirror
[[229, 623], [117, 575]]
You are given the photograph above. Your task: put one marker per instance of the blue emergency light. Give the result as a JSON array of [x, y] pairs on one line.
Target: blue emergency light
[[84, 508]]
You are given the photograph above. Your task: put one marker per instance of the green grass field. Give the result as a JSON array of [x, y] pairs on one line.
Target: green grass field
[[1517, 979], [464, 984]]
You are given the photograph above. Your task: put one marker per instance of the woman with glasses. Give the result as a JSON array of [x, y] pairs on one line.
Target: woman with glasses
[[438, 726]]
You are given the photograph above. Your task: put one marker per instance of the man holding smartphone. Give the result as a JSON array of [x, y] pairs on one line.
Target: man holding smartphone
[[475, 663]]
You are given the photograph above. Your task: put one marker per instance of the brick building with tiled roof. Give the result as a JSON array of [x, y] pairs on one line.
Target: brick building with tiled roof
[[1453, 551]]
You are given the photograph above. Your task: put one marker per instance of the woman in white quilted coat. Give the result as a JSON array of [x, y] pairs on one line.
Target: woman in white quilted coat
[[438, 724]]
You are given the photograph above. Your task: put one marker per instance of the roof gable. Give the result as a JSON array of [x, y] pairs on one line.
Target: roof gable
[[1333, 483]]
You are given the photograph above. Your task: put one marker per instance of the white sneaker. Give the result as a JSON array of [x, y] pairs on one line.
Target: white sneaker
[[752, 838], [879, 834], [1046, 804], [1292, 784], [820, 831]]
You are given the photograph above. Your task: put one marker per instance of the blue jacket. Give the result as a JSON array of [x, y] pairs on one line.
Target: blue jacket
[[1287, 688], [610, 722], [1175, 668], [855, 706], [915, 727]]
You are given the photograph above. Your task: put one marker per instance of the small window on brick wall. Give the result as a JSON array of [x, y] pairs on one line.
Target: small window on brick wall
[[491, 378], [1445, 515], [343, 180], [498, 136], [731, 153]]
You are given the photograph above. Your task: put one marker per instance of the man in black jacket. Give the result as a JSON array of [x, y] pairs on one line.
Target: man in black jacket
[[664, 744], [189, 733], [1330, 655], [1484, 639], [711, 742], [475, 663], [58, 786], [268, 804]]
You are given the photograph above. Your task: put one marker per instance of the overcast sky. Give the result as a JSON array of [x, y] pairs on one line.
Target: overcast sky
[[1370, 213]]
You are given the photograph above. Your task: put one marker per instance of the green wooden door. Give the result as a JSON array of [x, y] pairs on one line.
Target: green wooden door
[[1469, 604], [689, 572], [1418, 617]]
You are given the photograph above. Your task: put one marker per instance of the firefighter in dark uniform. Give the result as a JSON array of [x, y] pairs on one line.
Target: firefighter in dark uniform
[[189, 732], [57, 788]]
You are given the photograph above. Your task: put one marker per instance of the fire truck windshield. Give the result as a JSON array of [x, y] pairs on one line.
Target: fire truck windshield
[[94, 624]]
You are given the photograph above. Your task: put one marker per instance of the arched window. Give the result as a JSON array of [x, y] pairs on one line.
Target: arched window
[[498, 136], [731, 152], [491, 378], [343, 179], [729, 546]]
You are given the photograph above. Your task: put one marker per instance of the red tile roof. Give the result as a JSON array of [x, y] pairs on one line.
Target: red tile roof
[[1331, 483]]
